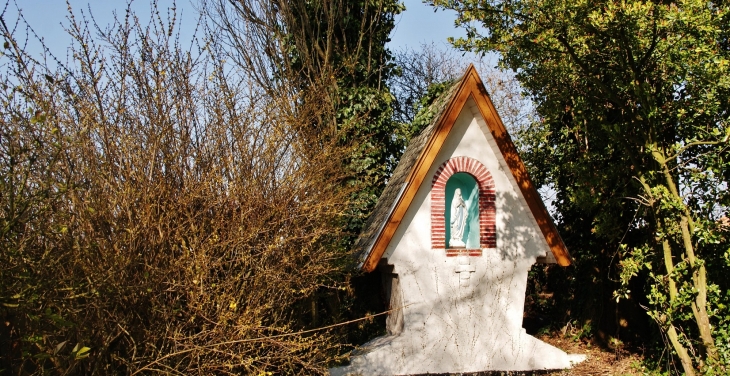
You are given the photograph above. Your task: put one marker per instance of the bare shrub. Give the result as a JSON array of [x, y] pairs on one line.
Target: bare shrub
[[431, 64], [160, 210]]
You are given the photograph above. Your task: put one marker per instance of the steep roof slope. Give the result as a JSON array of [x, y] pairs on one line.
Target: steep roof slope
[[418, 158]]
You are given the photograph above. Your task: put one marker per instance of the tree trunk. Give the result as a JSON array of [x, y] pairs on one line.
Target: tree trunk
[[681, 351], [699, 274], [669, 265]]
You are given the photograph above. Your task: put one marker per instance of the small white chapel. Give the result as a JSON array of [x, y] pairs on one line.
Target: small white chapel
[[454, 234]]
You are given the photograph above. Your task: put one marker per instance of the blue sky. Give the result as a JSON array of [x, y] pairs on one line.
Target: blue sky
[[418, 24]]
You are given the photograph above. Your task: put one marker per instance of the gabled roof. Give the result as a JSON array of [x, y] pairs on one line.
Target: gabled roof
[[418, 159]]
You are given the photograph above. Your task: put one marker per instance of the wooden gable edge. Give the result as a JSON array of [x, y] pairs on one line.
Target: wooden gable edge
[[517, 167], [470, 86]]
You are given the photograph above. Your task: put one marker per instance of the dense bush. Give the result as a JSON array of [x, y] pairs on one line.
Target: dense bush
[[159, 211]]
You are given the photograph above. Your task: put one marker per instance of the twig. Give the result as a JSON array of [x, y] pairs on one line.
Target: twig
[[156, 361]]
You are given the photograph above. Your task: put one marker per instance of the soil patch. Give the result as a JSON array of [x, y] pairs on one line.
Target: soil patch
[[600, 361]]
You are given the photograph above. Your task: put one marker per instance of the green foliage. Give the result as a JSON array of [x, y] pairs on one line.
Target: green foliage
[[354, 72], [633, 137], [330, 58], [425, 110], [330, 55]]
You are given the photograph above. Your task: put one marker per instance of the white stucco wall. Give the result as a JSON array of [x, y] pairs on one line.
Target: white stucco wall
[[466, 321]]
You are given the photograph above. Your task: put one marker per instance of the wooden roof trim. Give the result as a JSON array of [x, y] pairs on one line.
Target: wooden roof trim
[[529, 192], [470, 86], [417, 175]]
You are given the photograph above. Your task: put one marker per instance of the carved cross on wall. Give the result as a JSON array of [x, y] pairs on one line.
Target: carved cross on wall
[[464, 270]]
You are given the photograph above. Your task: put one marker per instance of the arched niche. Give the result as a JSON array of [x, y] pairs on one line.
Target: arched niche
[[469, 190], [486, 205]]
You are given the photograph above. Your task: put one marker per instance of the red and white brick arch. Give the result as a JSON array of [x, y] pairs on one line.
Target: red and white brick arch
[[487, 208]]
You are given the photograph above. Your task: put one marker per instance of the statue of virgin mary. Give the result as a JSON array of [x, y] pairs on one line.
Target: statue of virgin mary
[[458, 220]]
